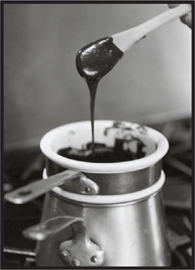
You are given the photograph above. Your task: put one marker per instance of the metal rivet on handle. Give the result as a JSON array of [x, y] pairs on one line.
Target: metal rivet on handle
[[76, 262], [64, 253], [87, 189], [94, 259]]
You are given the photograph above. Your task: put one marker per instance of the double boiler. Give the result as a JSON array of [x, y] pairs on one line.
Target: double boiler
[[109, 214]]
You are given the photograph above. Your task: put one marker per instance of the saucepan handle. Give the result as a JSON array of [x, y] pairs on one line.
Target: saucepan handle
[[79, 251], [72, 181]]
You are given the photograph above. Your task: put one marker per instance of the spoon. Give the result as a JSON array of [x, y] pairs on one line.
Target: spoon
[[97, 58], [124, 40]]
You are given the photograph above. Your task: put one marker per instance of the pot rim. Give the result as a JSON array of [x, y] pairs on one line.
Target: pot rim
[[111, 199], [110, 168]]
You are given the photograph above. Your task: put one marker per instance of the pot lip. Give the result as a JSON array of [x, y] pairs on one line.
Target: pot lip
[[133, 197], [109, 168]]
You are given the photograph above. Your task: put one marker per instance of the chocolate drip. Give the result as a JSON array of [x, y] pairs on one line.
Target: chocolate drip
[[93, 62]]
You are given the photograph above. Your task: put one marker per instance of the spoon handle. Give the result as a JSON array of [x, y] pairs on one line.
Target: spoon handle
[[124, 40]]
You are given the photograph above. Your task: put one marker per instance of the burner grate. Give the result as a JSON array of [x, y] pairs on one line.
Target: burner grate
[[19, 257]]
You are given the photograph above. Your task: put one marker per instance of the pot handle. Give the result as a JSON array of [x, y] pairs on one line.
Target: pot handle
[[72, 181], [80, 251]]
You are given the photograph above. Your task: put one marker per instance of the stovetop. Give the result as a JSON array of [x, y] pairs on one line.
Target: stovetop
[[23, 165]]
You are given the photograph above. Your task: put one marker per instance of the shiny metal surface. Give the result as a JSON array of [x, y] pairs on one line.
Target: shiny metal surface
[[118, 183], [19, 251], [130, 234], [80, 250], [72, 181]]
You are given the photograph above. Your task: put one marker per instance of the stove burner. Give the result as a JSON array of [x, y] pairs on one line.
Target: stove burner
[[18, 258], [181, 257]]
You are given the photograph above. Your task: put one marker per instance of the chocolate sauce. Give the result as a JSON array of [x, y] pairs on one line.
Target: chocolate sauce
[[97, 58], [120, 152], [103, 154], [93, 62]]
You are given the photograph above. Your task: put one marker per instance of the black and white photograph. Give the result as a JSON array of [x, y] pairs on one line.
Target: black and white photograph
[[97, 134]]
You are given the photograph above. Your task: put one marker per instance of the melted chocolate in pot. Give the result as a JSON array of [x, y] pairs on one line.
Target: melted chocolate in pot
[[103, 154], [93, 62]]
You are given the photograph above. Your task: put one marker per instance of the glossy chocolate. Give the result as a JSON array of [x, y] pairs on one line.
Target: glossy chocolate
[[104, 154], [93, 62], [97, 58]]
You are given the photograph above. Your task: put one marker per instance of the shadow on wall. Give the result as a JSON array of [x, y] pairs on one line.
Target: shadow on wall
[[42, 88]]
